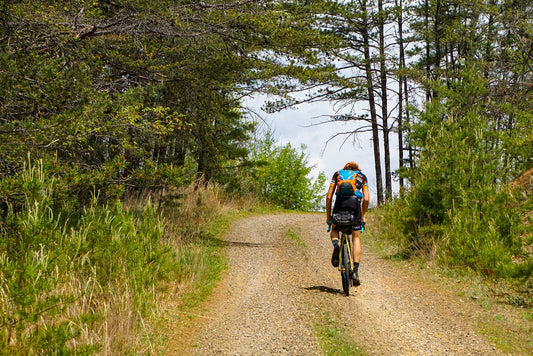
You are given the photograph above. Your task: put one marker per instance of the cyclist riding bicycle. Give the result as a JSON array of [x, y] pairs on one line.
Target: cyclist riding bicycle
[[351, 187]]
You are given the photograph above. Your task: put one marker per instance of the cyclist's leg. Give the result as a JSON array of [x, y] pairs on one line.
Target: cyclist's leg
[[356, 248], [334, 233], [356, 245], [356, 234]]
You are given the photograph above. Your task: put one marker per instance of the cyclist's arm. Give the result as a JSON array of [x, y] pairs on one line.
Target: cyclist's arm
[[329, 199], [366, 202]]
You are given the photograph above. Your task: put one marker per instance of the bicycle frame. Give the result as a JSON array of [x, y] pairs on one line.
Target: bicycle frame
[[345, 240]]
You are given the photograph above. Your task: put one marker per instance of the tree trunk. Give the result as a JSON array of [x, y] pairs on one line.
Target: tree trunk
[[428, 52], [372, 103], [384, 106], [437, 34], [401, 78]]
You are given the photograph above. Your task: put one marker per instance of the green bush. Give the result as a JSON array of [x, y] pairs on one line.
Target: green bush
[[458, 206], [484, 236]]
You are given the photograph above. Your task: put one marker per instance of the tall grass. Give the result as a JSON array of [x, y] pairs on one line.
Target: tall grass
[[93, 282], [77, 285], [194, 225]]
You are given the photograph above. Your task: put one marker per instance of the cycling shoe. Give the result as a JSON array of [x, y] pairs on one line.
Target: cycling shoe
[[335, 255], [355, 278]]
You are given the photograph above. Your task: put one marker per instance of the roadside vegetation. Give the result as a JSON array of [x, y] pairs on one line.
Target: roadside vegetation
[[98, 279], [490, 236], [90, 281]]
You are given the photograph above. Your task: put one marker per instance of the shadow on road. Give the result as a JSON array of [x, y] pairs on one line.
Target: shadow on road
[[221, 242], [325, 289]]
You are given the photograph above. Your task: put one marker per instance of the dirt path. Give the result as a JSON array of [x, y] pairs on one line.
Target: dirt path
[[277, 287]]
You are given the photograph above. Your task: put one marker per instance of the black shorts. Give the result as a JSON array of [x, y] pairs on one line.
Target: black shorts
[[351, 204]]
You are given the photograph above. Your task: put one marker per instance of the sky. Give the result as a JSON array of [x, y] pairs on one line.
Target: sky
[[298, 126]]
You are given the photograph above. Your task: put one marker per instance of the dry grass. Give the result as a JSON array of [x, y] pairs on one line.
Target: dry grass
[[198, 207]]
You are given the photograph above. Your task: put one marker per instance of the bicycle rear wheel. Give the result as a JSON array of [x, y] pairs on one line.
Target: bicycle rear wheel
[[345, 270]]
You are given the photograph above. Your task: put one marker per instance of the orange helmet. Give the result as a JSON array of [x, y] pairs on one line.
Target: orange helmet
[[351, 166]]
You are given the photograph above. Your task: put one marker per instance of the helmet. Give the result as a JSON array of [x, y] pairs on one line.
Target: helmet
[[351, 166]]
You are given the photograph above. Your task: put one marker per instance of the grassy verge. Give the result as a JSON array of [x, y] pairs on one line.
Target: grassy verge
[[333, 336], [201, 264], [77, 282], [195, 227]]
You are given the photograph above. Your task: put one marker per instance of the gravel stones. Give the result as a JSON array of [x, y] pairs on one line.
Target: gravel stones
[[267, 302]]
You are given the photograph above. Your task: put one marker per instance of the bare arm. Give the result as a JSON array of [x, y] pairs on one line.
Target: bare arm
[[366, 202], [329, 199]]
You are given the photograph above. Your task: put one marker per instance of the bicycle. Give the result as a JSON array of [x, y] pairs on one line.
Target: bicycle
[[346, 262]]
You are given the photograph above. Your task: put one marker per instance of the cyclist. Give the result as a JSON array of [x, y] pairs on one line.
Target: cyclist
[[354, 200]]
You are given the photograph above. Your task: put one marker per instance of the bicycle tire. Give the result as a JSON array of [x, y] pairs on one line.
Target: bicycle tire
[[345, 270]]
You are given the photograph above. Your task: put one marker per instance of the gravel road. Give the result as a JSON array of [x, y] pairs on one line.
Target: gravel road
[[270, 299]]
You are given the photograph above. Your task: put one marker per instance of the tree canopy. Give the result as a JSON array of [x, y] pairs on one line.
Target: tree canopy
[[141, 84]]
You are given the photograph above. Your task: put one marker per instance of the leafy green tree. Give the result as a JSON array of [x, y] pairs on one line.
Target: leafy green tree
[[472, 73], [283, 176], [85, 83]]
